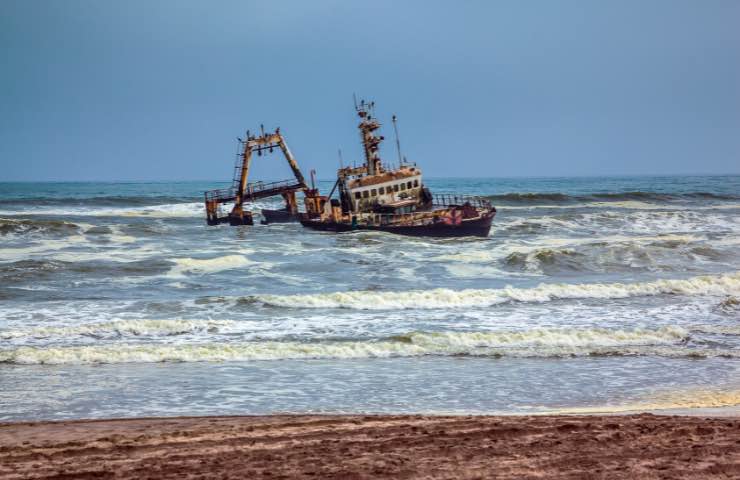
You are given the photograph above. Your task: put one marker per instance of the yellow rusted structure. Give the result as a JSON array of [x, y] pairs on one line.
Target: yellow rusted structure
[[242, 191]]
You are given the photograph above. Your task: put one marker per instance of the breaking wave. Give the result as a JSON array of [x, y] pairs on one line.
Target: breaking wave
[[198, 266], [725, 284], [642, 222], [25, 270], [25, 226], [564, 258], [665, 341], [168, 210], [612, 255], [120, 328]]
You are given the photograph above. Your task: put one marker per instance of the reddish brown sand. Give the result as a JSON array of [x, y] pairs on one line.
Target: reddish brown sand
[[352, 447]]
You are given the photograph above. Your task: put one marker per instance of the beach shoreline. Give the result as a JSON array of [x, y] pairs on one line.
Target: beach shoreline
[[376, 446]]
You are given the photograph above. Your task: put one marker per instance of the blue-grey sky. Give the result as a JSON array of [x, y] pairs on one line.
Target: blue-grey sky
[[159, 90]]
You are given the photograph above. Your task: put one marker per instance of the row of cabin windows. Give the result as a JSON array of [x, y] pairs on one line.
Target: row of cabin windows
[[382, 190]]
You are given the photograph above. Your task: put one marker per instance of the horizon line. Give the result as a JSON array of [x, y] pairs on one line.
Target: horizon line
[[430, 177]]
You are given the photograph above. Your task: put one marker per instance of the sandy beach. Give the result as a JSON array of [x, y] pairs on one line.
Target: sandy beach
[[285, 446]]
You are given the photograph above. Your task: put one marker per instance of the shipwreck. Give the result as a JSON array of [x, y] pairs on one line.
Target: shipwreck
[[371, 196]]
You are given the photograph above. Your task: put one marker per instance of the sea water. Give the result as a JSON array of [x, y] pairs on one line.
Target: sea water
[[590, 294]]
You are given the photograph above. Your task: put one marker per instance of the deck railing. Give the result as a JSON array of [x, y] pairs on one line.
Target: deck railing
[[259, 187], [224, 194], [253, 190]]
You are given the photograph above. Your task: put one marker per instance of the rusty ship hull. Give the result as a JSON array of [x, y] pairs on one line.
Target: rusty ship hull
[[479, 227], [283, 215]]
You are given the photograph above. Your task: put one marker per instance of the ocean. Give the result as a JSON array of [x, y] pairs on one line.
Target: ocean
[[590, 295]]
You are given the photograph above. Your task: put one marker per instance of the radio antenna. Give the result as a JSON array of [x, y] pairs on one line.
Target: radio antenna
[[341, 160]]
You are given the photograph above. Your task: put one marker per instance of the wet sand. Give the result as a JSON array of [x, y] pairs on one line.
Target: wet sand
[[357, 447]]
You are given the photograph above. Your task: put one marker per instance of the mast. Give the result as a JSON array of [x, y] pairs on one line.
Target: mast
[[398, 142], [370, 142]]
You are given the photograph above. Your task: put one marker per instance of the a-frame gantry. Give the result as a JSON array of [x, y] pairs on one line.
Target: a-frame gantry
[[241, 191]]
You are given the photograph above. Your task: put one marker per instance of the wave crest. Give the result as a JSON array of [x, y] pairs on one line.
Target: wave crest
[[120, 328], [10, 226], [200, 266], [530, 343], [566, 258], [169, 210], [726, 284]]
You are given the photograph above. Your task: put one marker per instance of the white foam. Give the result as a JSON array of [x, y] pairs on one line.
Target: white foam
[[727, 284], [479, 262], [143, 327], [469, 255], [40, 247], [70, 249], [540, 243], [718, 329], [174, 210], [116, 236], [475, 271], [529, 343], [646, 222], [625, 204], [202, 266]]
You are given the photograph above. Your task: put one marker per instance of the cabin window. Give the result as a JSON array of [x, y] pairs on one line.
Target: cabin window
[[374, 193], [395, 187], [408, 184], [381, 191], [403, 186], [365, 194], [416, 183], [358, 195]]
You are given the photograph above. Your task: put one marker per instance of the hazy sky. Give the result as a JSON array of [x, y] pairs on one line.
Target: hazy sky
[[155, 90]]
